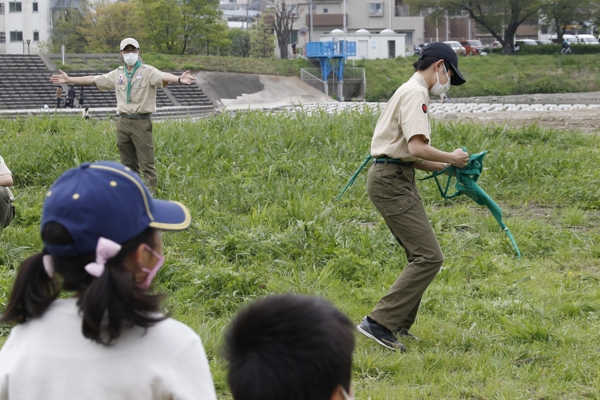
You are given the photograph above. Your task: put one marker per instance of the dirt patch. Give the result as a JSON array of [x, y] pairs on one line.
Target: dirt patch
[[587, 121]]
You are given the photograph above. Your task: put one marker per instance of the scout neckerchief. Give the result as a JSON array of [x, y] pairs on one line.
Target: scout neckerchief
[[130, 78]]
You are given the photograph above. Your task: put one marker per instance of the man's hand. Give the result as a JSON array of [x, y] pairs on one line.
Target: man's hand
[[186, 78], [62, 78], [460, 158], [6, 180]]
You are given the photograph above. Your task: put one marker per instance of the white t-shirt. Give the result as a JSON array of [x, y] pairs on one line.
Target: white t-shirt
[[3, 171], [49, 358]]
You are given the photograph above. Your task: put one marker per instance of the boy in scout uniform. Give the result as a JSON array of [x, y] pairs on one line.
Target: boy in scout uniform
[[402, 143], [135, 86]]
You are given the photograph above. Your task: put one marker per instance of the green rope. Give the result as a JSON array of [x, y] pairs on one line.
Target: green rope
[[353, 178]]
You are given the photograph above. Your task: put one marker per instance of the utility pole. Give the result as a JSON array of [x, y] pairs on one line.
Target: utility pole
[[310, 34]]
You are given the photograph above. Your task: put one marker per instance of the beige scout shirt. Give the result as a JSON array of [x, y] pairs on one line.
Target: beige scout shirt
[[404, 116], [143, 88], [3, 171]]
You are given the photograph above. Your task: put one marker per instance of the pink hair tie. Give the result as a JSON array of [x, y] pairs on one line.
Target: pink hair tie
[[105, 250]]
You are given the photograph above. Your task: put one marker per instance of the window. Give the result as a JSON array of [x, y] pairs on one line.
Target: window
[[14, 6], [36, 36], [35, 6], [325, 10], [376, 9], [1, 8], [16, 36], [2, 37]]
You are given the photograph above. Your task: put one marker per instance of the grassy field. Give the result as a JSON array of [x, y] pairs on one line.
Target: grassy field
[[261, 190]]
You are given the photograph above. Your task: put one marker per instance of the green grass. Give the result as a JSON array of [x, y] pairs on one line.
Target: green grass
[[261, 191]]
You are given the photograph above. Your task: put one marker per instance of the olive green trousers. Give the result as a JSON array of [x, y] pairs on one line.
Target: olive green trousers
[[391, 188], [136, 148]]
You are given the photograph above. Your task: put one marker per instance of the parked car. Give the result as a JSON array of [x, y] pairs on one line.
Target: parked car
[[457, 47], [526, 42], [472, 47], [496, 45], [419, 48], [586, 39], [544, 41]]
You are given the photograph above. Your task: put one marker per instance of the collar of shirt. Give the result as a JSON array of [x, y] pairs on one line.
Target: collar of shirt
[[420, 78]]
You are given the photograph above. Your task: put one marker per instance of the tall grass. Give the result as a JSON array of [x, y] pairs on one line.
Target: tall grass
[[261, 190]]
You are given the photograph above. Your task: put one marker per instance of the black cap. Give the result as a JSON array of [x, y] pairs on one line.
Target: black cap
[[446, 53]]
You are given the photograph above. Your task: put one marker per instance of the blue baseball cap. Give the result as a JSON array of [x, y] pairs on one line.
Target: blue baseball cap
[[106, 199]]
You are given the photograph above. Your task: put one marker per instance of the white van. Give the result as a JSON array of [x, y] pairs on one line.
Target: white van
[[587, 39], [570, 38]]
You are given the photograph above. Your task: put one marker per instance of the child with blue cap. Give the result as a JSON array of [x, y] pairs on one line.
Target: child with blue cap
[[101, 234]]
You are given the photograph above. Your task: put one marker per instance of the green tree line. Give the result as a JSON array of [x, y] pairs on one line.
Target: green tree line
[[162, 26]]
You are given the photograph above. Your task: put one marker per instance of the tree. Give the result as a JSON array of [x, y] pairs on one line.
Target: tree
[[500, 18], [262, 42], [561, 13], [240, 43], [162, 24], [203, 28], [67, 24], [285, 13], [107, 24]]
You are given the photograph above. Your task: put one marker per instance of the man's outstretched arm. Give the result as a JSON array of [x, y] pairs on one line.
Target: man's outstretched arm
[[78, 80]]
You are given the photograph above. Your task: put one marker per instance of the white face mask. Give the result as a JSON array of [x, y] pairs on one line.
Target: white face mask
[[438, 89], [130, 58]]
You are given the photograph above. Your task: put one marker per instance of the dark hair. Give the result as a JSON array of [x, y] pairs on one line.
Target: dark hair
[[289, 347], [114, 295], [425, 62]]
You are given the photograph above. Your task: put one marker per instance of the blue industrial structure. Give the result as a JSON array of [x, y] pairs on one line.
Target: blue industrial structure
[[332, 56]]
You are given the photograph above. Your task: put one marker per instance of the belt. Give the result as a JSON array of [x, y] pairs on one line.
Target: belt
[[389, 160], [135, 116]]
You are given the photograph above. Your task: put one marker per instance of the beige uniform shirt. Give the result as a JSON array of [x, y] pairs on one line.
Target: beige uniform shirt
[[143, 88], [404, 116], [3, 171]]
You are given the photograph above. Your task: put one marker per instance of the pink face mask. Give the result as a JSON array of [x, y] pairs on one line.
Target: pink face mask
[[152, 272]]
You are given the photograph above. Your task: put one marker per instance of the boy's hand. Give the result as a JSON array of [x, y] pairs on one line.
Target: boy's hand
[[461, 158]]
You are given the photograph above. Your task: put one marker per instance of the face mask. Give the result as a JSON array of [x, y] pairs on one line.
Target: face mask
[[346, 395], [438, 89], [152, 272], [130, 58]]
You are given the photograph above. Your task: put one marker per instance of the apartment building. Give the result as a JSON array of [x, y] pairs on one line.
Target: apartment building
[[373, 16], [23, 25]]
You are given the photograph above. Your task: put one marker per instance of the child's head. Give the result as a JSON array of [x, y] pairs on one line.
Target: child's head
[[86, 109], [290, 347], [436, 51], [100, 229]]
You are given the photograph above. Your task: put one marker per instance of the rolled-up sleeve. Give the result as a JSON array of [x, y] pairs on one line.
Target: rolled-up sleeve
[[106, 81]]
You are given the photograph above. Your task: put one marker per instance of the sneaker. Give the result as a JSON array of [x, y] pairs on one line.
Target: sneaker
[[404, 333], [380, 334]]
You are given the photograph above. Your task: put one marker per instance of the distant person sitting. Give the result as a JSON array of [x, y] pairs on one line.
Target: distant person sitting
[[290, 347], [7, 210]]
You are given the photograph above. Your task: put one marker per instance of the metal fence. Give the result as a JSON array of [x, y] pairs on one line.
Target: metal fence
[[355, 82]]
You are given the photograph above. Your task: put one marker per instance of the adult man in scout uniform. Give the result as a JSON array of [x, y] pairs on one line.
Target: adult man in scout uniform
[[135, 86], [402, 143]]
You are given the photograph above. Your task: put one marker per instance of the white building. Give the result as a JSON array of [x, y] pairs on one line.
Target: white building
[[385, 44], [23, 25], [373, 16]]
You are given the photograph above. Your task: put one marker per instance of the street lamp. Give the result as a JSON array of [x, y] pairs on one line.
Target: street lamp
[[28, 41]]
